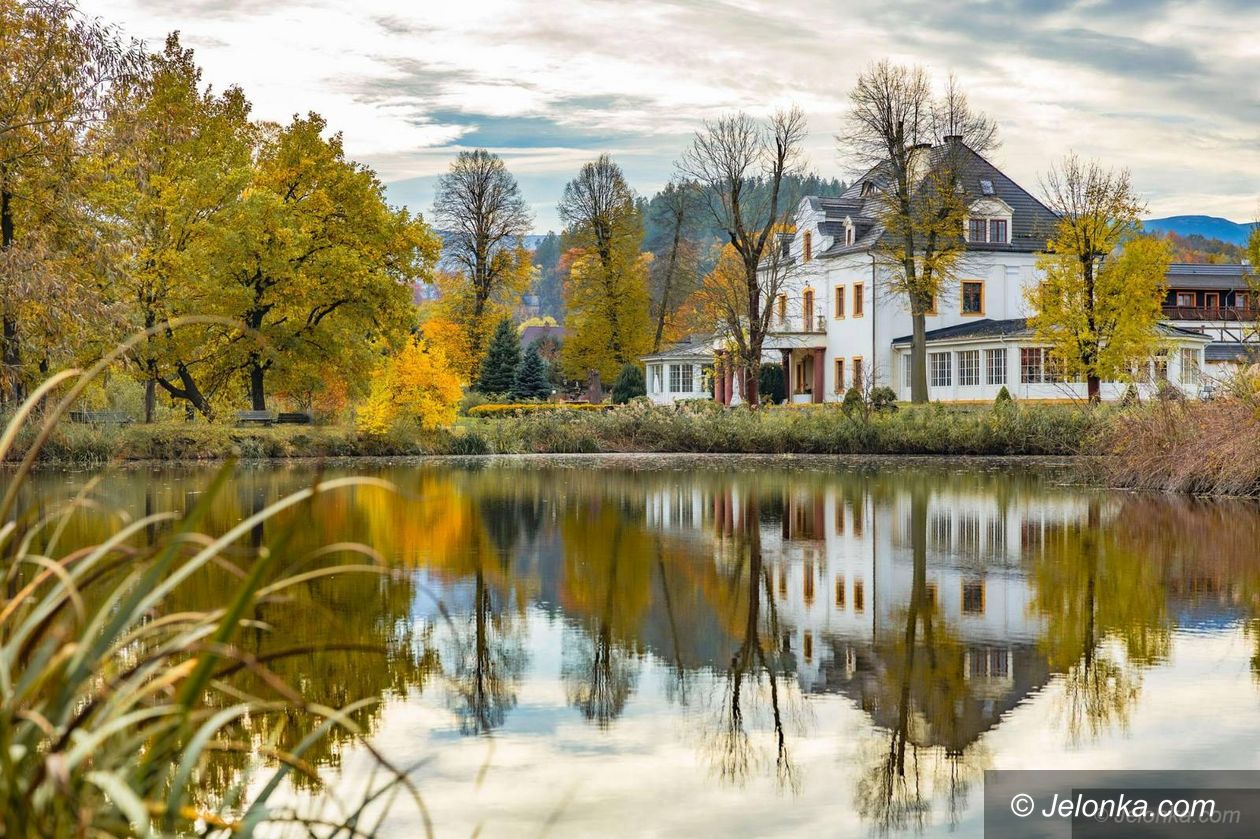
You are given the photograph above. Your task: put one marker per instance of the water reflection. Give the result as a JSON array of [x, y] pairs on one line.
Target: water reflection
[[937, 601]]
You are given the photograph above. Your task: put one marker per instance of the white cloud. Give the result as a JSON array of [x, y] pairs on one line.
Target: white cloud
[[1165, 89]]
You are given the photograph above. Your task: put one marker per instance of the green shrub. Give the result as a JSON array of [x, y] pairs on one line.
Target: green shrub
[[1003, 397], [771, 383]]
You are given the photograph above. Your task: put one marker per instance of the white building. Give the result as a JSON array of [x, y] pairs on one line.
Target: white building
[[838, 322], [680, 372]]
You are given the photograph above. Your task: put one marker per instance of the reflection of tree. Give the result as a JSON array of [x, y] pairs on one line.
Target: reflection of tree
[[608, 586], [923, 692], [485, 664], [1093, 589], [753, 674]]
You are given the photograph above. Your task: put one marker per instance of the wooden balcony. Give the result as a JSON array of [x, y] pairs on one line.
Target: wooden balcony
[[1228, 313]]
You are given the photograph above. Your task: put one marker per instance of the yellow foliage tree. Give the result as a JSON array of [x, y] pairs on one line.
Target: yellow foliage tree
[[1098, 310], [415, 386], [449, 336], [608, 320]]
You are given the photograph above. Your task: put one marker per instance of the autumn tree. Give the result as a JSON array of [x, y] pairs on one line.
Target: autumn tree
[[606, 292], [1099, 301], [916, 147], [167, 164], [740, 165], [57, 68], [415, 387], [482, 216], [317, 265]]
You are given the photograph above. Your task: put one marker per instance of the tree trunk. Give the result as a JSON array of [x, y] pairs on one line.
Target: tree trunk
[[752, 394], [669, 280], [188, 391], [257, 394], [10, 353], [918, 360], [1092, 383], [150, 399], [1093, 386]]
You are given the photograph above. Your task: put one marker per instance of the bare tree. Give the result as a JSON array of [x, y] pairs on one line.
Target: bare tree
[[915, 147], [482, 215], [741, 163]]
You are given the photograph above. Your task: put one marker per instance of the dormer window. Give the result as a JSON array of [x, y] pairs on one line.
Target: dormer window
[[989, 221], [997, 231], [868, 189], [986, 187], [977, 229], [849, 232]]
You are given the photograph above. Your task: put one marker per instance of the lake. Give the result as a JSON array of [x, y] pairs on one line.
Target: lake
[[675, 646]]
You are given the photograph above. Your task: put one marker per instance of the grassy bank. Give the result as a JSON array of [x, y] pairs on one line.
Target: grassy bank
[[1192, 447], [1009, 429]]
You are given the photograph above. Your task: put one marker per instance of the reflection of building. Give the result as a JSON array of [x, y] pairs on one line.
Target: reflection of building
[[841, 575]]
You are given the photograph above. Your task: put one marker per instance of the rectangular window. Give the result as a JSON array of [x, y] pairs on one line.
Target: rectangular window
[[859, 305], [1241, 300], [976, 229], [859, 596], [969, 368], [839, 301], [906, 370], [781, 306], [859, 374], [839, 375], [973, 598], [1190, 367], [1211, 300], [995, 366], [1185, 299], [997, 230], [1032, 365], [688, 379], [1161, 366], [675, 378], [840, 592], [931, 309], [973, 298], [940, 369]]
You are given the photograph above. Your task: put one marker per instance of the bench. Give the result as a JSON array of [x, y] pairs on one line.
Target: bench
[[101, 417], [255, 417], [293, 418]]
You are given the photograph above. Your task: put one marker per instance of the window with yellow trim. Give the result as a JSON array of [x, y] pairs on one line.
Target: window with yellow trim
[[859, 303], [839, 301], [972, 297]]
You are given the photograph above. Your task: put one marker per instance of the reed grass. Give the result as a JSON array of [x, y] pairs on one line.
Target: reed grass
[[114, 706]]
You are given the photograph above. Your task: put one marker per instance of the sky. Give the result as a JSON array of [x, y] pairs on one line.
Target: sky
[[1169, 90]]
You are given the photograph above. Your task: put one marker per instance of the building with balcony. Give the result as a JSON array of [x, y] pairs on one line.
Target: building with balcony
[[837, 322], [1216, 301]]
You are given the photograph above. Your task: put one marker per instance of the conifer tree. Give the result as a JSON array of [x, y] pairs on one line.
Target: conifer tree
[[629, 384], [531, 376], [498, 371]]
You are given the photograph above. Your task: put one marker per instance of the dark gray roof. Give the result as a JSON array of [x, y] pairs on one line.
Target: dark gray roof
[[1012, 328], [1221, 277], [1230, 351], [533, 334], [694, 347], [1032, 222]]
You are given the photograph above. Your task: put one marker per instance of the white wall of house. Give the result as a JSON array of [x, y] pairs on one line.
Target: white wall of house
[[976, 371]]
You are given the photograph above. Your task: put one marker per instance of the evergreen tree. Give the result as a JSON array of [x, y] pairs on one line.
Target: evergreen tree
[[498, 371], [531, 376], [629, 384]]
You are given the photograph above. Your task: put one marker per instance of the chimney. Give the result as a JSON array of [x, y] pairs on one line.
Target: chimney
[[953, 138]]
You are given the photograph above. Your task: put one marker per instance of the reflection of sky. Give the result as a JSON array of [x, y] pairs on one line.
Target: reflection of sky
[[648, 775]]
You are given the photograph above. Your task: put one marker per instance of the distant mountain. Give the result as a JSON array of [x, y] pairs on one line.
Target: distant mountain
[[1209, 227]]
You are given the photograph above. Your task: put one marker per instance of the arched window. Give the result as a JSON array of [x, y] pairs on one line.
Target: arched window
[[808, 246], [807, 310]]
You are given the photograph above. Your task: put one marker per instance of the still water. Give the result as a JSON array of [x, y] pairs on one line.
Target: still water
[[744, 646]]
